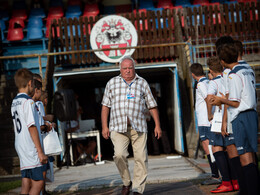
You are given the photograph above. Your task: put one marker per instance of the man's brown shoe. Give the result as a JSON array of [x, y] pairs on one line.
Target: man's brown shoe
[[126, 189]]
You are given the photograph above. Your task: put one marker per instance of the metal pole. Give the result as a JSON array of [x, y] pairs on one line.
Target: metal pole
[[40, 65], [92, 50]]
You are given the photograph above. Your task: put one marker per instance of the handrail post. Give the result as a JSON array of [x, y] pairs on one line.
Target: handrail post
[[40, 65]]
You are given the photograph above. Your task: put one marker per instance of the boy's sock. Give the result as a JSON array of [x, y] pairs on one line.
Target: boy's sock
[[251, 177], [235, 163], [222, 165], [232, 170], [213, 167], [258, 173]]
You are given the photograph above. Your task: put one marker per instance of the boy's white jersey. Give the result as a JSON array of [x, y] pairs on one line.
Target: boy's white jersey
[[226, 72], [225, 79], [41, 112], [38, 120], [241, 84], [216, 86], [201, 106], [23, 112]]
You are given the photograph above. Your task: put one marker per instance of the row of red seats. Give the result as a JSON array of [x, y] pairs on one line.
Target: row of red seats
[[17, 22]]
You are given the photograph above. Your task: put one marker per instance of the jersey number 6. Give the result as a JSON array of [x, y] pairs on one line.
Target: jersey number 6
[[17, 122]]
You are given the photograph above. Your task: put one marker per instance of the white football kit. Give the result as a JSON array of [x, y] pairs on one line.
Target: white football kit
[[241, 86], [216, 86], [201, 106], [23, 112], [41, 112]]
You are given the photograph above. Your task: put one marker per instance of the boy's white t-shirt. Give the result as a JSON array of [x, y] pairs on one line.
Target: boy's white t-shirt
[[216, 86], [23, 112], [41, 112], [241, 85], [201, 106], [38, 122], [225, 79], [226, 72]]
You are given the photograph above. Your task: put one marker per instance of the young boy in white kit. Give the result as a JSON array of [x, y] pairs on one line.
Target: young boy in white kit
[[216, 87], [27, 135], [202, 118]]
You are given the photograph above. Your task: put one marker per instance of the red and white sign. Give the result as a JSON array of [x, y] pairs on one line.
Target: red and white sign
[[113, 32]]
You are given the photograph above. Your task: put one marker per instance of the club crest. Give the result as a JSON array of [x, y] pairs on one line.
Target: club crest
[[113, 32]]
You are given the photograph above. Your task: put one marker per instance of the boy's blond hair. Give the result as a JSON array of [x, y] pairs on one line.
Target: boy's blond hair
[[22, 78], [214, 64]]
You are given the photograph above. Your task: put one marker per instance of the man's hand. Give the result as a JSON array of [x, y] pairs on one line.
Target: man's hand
[[157, 132], [105, 133], [43, 158], [224, 129]]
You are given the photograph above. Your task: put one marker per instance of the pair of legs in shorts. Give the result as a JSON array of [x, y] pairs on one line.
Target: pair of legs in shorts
[[245, 128], [218, 148], [204, 133], [229, 176], [32, 180]]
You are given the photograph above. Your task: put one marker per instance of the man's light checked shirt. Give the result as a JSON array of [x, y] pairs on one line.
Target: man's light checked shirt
[[121, 108]]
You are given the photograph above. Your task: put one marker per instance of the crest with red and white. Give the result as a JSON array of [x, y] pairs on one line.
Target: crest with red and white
[[113, 32]]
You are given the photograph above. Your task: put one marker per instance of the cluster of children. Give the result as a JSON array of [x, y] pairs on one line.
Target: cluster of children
[[29, 122], [230, 91]]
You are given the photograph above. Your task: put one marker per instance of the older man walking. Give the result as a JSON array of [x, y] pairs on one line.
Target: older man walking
[[126, 98]]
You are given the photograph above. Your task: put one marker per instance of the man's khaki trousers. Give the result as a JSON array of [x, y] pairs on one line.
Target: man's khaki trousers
[[138, 141]]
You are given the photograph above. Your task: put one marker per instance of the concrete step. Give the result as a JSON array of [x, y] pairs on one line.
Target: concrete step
[[161, 169]]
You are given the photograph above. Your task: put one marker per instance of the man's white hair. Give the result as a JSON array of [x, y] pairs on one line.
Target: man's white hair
[[126, 58]]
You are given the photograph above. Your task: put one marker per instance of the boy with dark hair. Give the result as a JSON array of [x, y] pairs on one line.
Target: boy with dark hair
[[239, 46], [202, 118], [242, 108], [27, 137], [223, 40], [216, 87], [45, 126], [227, 131]]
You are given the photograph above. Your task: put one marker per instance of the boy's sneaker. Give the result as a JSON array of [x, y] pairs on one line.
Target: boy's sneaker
[[226, 186], [235, 185], [211, 181]]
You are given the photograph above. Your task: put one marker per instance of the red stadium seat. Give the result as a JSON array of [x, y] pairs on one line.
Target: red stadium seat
[[200, 2], [91, 10], [16, 21], [166, 4], [15, 34], [55, 12], [20, 13]]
